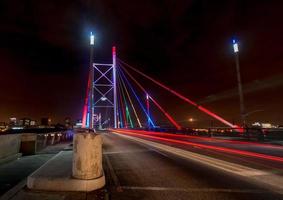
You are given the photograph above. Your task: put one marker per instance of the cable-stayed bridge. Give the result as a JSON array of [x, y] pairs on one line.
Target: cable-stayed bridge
[[116, 99]]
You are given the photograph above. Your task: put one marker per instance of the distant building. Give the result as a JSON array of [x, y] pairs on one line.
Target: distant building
[[46, 121], [3, 126], [264, 125], [33, 123], [13, 121], [25, 122], [78, 124]]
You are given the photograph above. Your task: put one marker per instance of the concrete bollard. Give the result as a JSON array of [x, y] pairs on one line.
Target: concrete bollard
[[28, 143], [52, 138], [87, 156], [45, 140], [58, 137]]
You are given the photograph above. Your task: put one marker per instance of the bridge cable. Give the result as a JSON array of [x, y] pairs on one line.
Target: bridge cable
[[130, 100], [126, 104], [169, 117], [181, 96], [136, 96], [122, 107]]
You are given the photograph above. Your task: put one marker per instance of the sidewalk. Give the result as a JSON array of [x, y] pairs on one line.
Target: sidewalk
[[13, 172], [13, 180]]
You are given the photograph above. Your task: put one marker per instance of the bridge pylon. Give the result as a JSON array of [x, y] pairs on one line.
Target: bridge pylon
[[101, 93]]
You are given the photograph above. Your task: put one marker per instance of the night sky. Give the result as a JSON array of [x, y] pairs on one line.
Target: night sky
[[185, 44]]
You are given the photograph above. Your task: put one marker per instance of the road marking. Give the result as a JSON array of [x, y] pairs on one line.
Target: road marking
[[224, 190], [125, 152], [14, 190], [113, 175]]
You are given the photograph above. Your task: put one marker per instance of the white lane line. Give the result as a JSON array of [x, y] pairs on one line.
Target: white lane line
[[125, 152], [14, 190], [216, 163], [224, 190]]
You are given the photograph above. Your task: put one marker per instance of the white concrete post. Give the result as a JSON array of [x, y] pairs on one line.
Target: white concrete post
[[58, 137], [52, 138], [87, 156], [45, 140]]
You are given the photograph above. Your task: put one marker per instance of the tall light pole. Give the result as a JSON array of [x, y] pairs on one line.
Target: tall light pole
[[91, 71], [241, 96]]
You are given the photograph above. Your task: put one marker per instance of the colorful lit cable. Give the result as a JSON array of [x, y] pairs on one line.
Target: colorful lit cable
[[130, 100], [135, 95]]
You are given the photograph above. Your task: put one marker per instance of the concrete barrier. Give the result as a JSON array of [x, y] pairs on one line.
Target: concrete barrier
[[52, 135], [28, 143], [9, 147], [58, 137], [45, 140]]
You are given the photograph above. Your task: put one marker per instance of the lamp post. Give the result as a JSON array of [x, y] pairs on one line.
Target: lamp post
[[242, 107], [91, 80]]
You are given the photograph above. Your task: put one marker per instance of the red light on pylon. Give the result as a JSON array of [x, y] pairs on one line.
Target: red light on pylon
[[113, 50]]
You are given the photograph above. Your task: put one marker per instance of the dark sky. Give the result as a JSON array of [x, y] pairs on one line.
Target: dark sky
[[185, 44]]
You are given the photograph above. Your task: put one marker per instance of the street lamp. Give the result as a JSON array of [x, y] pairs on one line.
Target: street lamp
[[91, 42], [242, 107]]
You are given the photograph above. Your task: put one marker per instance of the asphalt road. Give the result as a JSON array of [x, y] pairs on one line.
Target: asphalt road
[[136, 170], [251, 154]]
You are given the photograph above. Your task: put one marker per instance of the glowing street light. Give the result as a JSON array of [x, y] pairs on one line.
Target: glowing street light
[[242, 107], [191, 120], [91, 39], [235, 46], [103, 98]]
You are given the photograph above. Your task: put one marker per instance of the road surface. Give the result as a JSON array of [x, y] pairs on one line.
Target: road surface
[[140, 170]]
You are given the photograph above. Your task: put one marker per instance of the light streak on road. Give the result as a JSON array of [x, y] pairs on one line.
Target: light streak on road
[[222, 149], [207, 139]]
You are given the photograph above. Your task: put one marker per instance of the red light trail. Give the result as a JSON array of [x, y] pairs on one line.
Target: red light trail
[[166, 114], [207, 139], [222, 149]]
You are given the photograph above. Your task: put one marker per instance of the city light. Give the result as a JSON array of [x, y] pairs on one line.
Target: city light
[[103, 98], [191, 119], [235, 46], [91, 39]]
